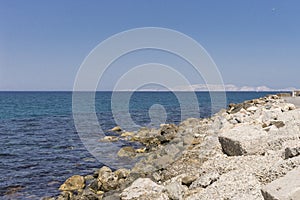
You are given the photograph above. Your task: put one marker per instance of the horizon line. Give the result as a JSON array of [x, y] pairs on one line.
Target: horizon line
[[147, 91]]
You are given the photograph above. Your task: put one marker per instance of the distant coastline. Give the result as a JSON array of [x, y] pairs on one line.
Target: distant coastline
[[189, 88]]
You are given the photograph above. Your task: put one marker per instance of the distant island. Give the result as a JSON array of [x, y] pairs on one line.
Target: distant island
[[212, 87]]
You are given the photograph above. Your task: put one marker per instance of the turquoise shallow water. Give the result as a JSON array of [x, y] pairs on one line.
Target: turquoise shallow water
[[40, 147]]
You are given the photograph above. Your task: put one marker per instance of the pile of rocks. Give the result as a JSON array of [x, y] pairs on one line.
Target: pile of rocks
[[249, 151]]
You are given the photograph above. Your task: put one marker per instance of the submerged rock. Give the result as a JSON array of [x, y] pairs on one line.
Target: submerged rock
[[12, 191]]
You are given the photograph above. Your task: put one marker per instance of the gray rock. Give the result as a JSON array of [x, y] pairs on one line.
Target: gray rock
[[175, 191], [276, 168], [243, 140], [168, 132], [163, 161], [231, 147], [190, 122], [284, 188], [94, 186], [89, 195], [234, 185], [170, 150], [272, 114], [209, 147], [142, 168], [114, 196], [205, 180], [144, 188], [291, 152], [234, 108], [277, 123], [188, 139], [251, 139], [188, 180]]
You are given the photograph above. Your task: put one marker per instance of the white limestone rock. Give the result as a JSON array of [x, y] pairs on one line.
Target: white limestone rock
[[144, 188]]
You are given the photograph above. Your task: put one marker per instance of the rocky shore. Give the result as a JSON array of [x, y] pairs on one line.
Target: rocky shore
[[249, 151]]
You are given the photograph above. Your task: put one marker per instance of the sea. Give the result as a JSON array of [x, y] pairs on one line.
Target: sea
[[40, 146]]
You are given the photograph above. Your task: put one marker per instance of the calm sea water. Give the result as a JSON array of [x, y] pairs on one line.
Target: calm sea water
[[39, 145]]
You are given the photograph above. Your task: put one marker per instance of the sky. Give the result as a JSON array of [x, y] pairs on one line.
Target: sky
[[43, 43]]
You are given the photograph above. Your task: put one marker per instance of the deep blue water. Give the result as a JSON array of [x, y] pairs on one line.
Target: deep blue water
[[40, 147]]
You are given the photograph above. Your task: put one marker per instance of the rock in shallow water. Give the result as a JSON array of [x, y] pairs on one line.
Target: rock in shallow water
[[73, 183], [116, 129], [109, 139], [127, 152]]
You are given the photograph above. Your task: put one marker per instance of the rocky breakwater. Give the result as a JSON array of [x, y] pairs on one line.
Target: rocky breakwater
[[249, 151]]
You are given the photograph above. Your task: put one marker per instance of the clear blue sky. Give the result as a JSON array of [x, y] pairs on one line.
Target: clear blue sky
[[42, 43]]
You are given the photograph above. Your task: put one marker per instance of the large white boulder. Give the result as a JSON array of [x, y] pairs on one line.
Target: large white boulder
[[144, 188], [284, 188]]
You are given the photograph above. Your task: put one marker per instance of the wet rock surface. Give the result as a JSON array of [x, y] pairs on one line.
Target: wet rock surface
[[75, 182], [243, 152]]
